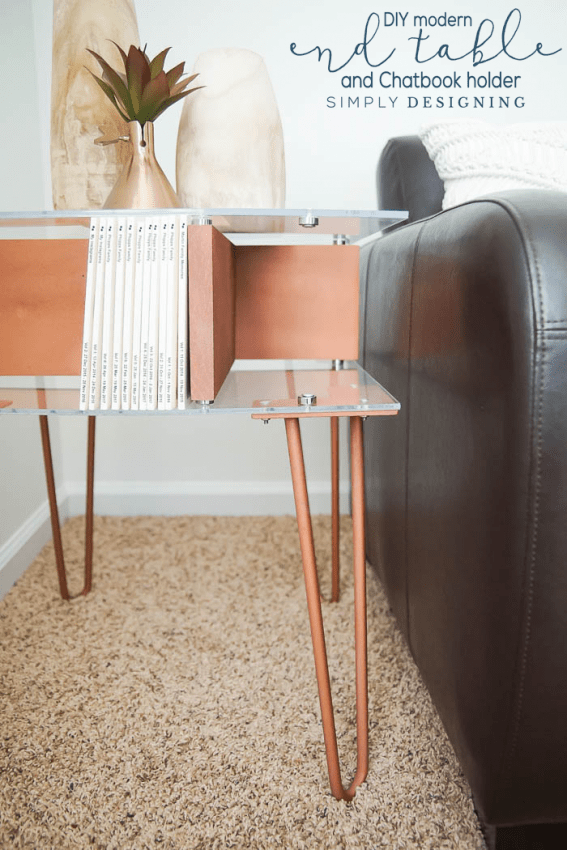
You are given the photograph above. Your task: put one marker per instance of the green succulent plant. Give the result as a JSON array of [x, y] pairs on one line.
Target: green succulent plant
[[144, 90]]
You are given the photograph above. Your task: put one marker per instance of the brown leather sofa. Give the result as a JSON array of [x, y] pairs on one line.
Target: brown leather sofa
[[464, 320]]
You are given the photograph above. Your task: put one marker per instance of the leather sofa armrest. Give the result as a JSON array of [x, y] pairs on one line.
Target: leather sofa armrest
[[465, 322]]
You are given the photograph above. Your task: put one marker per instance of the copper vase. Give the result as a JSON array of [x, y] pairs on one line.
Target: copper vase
[[142, 184]]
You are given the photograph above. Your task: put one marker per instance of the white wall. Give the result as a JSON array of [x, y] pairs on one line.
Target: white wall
[[23, 508], [331, 157], [331, 153]]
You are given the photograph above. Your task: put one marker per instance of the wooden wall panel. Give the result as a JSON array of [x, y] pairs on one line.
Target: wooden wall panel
[[224, 305], [297, 301], [42, 301], [211, 310]]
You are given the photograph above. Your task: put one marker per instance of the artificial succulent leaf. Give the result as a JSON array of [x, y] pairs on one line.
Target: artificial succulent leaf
[[157, 88], [174, 73], [171, 100], [182, 85], [124, 57], [156, 64], [138, 75], [116, 82], [135, 101], [153, 96], [109, 93], [139, 61], [122, 77]]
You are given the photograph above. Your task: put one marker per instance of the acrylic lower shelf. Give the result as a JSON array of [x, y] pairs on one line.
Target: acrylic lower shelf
[[259, 392]]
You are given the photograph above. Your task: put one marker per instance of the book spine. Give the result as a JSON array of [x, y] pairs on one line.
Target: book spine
[[182, 331], [118, 328], [162, 296], [108, 315], [146, 299], [129, 259], [94, 376], [153, 320], [88, 320], [141, 228], [171, 324]]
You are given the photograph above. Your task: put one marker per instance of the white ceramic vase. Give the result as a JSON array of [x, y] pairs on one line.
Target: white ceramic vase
[[83, 173], [230, 150]]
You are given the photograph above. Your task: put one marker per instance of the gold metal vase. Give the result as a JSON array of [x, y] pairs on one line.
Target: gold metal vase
[[142, 184]]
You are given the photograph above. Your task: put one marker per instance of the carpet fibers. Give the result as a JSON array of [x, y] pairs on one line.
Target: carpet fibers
[[176, 706]]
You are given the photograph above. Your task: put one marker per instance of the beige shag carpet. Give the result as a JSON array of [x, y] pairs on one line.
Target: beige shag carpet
[[176, 706]]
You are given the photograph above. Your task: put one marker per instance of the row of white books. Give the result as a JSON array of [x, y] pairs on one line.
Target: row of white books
[[135, 343]]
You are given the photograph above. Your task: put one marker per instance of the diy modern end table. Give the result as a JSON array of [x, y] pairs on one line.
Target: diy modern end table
[[292, 305]]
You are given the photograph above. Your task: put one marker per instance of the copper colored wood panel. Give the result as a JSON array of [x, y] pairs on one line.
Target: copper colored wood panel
[[223, 307], [42, 301], [297, 301], [211, 310], [200, 283]]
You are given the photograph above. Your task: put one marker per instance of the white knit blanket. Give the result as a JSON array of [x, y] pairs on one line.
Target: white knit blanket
[[475, 158]]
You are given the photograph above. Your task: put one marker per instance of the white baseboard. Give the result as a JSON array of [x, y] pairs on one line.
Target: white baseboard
[[17, 553], [215, 498], [158, 498]]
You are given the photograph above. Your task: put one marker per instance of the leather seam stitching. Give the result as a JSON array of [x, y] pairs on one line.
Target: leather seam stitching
[[539, 365], [534, 475]]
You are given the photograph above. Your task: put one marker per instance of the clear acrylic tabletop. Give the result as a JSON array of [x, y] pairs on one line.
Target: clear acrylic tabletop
[[296, 224], [251, 387]]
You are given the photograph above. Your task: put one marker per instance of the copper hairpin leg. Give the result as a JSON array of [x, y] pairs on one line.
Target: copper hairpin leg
[[314, 604], [335, 532], [55, 525]]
